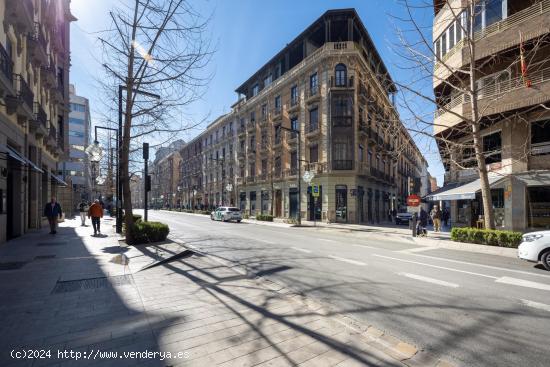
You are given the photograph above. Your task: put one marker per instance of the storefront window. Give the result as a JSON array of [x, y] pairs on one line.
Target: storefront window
[[341, 203], [538, 207]]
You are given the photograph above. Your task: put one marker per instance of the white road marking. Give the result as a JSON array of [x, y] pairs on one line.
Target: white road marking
[[418, 249], [347, 260], [326, 240], [429, 280], [540, 306], [301, 250], [437, 267], [365, 246], [483, 266], [523, 283]]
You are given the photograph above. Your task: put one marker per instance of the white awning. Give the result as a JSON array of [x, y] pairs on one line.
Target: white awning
[[464, 192], [19, 157]]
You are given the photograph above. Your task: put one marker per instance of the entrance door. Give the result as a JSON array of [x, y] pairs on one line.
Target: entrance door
[[278, 203], [314, 204], [293, 203], [360, 208], [341, 203]]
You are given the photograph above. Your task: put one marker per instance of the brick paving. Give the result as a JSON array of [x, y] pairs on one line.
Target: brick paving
[[204, 310]]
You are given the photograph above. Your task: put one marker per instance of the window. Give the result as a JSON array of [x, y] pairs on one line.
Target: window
[[278, 103], [443, 44], [492, 84], [252, 117], [255, 90], [76, 121], [78, 134], [540, 137], [451, 36], [294, 95], [294, 126], [76, 107], [313, 84], [492, 147], [438, 47], [277, 137], [313, 154], [267, 81], [293, 162], [277, 165], [361, 153], [264, 166], [252, 169], [313, 119], [264, 111], [340, 75]]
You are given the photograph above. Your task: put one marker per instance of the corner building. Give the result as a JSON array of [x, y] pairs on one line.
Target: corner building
[[34, 109], [330, 84]]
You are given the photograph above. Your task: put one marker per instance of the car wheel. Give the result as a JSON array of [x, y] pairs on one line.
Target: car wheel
[[238, 221], [545, 258], [211, 217]]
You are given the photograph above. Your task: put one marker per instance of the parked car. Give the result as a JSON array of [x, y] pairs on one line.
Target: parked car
[[403, 218], [226, 213], [535, 247]]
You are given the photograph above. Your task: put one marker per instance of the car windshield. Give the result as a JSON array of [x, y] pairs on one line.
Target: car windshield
[[233, 209]]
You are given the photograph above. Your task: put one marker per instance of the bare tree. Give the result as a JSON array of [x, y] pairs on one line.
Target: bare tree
[[154, 47], [460, 145]]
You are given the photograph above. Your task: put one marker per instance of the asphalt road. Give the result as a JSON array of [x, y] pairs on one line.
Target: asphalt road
[[473, 309]]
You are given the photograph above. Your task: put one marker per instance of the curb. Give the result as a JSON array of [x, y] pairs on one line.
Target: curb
[[402, 351]]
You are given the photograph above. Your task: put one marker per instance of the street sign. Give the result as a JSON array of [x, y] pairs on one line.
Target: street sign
[[413, 209], [413, 200], [315, 191]]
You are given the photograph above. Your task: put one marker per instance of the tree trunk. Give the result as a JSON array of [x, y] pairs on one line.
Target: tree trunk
[[488, 214]]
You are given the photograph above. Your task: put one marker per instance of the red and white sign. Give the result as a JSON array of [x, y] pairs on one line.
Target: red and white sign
[[413, 200]]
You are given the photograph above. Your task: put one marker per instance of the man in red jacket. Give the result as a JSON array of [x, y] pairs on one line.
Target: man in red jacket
[[96, 213]]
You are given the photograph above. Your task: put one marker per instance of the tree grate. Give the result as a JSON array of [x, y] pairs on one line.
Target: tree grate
[[91, 283], [53, 243], [14, 265]]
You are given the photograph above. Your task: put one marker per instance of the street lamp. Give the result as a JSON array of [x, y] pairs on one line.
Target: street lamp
[[298, 178]]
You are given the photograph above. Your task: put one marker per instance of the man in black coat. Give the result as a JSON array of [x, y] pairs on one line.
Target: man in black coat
[[52, 211]]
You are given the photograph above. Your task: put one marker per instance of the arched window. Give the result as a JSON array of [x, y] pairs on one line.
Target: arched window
[[340, 75]]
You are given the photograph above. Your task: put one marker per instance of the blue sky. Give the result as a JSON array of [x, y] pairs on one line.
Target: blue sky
[[246, 33]]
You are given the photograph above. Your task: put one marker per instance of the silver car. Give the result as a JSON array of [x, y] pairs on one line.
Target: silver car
[[227, 213]]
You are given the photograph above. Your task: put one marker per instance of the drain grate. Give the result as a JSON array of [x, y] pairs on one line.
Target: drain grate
[[91, 283], [14, 265], [44, 257], [55, 243]]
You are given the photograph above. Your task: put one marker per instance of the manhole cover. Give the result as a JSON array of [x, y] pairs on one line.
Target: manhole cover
[[44, 257], [55, 243], [12, 265], [91, 283]]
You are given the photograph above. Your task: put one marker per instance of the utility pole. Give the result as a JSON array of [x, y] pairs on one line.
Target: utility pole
[[146, 179]]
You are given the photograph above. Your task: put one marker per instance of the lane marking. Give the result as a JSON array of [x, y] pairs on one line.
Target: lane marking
[[417, 249], [326, 240], [365, 246], [429, 280], [343, 259], [301, 250], [436, 266], [523, 283], [483, 266], [540, 306]]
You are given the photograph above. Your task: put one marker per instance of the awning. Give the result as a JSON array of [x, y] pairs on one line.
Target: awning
[[57, 179], [464, 192], [19, 157], [535, 178]]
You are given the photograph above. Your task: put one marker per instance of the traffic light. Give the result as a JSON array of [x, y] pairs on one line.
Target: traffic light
[[148, 183]]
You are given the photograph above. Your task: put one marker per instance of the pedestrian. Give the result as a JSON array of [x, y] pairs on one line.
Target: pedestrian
[[52, 211], [83, 210], [96, 213], [445, 216], [423, 223], [435, 214]]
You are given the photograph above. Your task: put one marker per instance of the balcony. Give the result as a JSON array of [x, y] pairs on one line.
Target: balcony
[[292, 138], [291, 172], [47, 74], [22, 103], [342, 165], [276, 113], [342, 121], [241, 131], [251, 127], [363, 169], [40, 122], [251, 179], [262, 177], [37, 45], [58, 92], [6, 73], [313, 94], [263, 121], [294, 104], [497, 37], [20, 13], [316, 167], [496, 98], [51, 141], [336, 83], [312, 130]]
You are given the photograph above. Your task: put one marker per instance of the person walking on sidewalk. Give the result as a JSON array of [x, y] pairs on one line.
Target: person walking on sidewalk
[[83, 210], [96, 213], [436, 218], [52, 211]]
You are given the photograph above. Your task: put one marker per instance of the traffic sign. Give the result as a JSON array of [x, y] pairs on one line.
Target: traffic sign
[[315, 191], [413, 200]]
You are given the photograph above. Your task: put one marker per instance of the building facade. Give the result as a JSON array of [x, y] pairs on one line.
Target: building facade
[[165, 176], [331, 88], [34, 75], [76, 170], [511, 62]]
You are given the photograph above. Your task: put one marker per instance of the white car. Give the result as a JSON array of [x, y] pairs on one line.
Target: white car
[[226, 213], [535, 247]]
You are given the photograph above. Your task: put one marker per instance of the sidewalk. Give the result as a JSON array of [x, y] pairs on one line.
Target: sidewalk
[[69, 293]]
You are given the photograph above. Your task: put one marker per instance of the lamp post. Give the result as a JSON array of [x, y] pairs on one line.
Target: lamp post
[[299, 179]]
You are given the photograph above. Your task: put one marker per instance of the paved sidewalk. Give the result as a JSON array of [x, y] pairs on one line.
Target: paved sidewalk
[[74, 293]]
